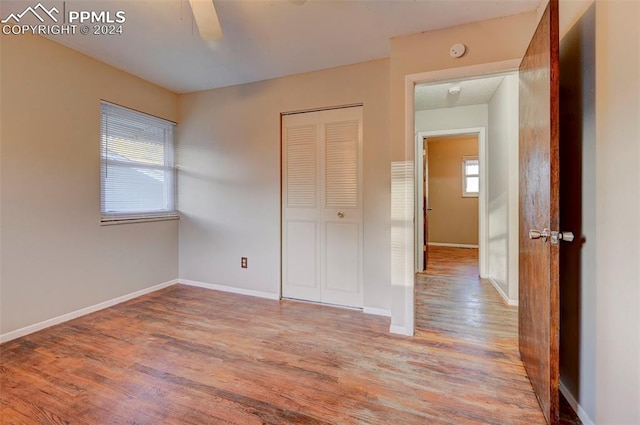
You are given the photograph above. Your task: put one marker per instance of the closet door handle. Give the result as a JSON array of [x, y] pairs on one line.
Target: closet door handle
[[340, 214]]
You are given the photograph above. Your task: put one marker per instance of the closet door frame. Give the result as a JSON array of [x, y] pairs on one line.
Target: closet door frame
[[325, 215]]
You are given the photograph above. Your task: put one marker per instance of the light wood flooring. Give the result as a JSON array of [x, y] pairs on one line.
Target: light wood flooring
[[450, 261], [186, 355], [454, 273]]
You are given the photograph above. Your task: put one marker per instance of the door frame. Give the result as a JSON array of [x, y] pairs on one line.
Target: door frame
[[483, 225], [403, 307]]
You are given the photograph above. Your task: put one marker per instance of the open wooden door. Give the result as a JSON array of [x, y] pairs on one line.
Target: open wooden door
[[539, 213]]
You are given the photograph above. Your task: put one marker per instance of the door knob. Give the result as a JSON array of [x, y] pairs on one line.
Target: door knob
[[561, 236], [340, 214], [537, 234], [555, 236]]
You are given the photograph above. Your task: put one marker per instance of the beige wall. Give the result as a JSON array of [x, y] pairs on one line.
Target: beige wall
[[617, 223], [607, 385], [454, 218], [229, 179], [502, 186], [487, 41], [453, 118], [56, 258]]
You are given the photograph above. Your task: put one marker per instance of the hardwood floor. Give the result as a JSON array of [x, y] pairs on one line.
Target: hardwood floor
[[459, 311], [449, 261], [190, 355], [452, 277]]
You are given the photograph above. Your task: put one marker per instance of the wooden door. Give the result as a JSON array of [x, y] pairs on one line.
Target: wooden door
[[322, 229], [539, 209]]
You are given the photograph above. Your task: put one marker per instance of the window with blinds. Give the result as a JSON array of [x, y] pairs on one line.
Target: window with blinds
[[137, 168]]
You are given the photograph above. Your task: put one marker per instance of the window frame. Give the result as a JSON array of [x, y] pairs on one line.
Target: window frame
[[466, 194], [169, 166]]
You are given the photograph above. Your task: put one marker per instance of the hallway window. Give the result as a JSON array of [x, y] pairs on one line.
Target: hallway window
[[470, 176]]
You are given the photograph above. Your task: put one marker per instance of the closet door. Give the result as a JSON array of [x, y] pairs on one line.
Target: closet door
[[301, 206], [341, 211], [322, 231]]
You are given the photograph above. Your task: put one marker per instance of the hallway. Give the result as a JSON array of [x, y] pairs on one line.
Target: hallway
[[452, 298], [455, 306]]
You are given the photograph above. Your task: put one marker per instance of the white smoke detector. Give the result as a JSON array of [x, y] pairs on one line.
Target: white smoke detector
[[457, 50]]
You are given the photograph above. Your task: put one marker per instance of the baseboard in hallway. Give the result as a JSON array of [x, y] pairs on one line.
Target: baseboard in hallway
[[452, 245], [499, 290]]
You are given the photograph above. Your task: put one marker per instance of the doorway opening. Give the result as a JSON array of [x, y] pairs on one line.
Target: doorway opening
[[446, 111], [448, 192], [538, 164]]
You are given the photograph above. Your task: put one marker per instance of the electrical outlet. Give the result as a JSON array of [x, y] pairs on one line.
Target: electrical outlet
[[243, 262]]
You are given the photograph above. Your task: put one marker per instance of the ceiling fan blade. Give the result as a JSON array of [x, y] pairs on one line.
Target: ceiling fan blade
[[204, 12]]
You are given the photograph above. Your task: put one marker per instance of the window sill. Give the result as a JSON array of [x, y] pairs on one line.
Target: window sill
[[112, 221]]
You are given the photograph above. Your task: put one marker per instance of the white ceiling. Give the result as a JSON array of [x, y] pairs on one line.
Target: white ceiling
[[472, 92], [264, 39]]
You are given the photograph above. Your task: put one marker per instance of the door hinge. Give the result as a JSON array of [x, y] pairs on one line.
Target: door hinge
[[424, 248], [424, 152]]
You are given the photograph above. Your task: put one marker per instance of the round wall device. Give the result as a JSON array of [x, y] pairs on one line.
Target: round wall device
[[457, 50]]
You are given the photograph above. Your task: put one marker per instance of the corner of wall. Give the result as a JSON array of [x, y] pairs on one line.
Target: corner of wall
[[582, 414]]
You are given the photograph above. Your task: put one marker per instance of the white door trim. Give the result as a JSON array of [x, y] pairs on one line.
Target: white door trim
[[483, 225], [402, 314]]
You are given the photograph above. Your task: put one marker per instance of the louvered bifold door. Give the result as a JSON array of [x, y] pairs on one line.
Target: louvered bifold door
[[322, 232], [341, 207], [301, 206]]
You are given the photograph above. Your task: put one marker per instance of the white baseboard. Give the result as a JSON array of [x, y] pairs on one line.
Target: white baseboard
[[376, 311], [400, 330], [452, 245], [506, 299], [82, 312], [231, 289], [586, 420]]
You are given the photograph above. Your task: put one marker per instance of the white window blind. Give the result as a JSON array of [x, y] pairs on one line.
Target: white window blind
[[137, 169]]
